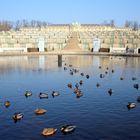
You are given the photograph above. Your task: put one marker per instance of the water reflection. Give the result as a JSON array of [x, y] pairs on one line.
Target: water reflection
[[97, 113]]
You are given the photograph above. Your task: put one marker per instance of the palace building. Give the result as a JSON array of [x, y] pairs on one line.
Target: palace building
[[71, 37]]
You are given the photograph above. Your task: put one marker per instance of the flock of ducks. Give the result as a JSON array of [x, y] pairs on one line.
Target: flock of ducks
[[68, 128]]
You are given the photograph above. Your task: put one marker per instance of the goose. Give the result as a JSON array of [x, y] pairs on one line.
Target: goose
[[28, 93], [55, 93], [136, 86], [48, 131], [40, 111], [7, 103], [18, 116], [68, 128], [43, 95], [131, 105]]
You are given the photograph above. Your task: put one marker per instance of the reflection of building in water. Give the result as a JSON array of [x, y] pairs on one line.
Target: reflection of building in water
[[80, 60], [42, 61]]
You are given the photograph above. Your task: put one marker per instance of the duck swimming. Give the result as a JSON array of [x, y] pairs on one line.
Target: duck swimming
[[69, 85], [28, 93], [55, 93], [136, 86], [81, 82], [131, 105], [110, 91], [7, 104], [68, 128], [43, 95], [40, 111], [48, 131], [82, 74], [138, 99], [87, 76], [18, 116], [97, 85]]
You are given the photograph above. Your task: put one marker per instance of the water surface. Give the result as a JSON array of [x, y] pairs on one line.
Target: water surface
[[97, 115]]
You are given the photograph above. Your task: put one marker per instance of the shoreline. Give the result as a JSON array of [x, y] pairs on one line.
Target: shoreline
[[68, 53]]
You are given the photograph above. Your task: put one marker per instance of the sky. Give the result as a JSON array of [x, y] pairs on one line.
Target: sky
[[68, 11]]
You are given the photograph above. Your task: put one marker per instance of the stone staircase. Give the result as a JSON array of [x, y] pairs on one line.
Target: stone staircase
[[73, 43]]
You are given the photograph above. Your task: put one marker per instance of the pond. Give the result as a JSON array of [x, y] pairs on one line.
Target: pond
[[98, 115]]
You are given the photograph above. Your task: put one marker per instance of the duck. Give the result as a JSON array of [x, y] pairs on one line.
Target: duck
[[102, 75], [7, 104], [68, 128], [69, 85], [81, 82], [100, 67], [55, 93], [79, 94], [71, 72], [131, 105], [112, 71], [134, 78], [18, 116], [48, 131], [40, 111], [77, 85], [136, 86], [121, 78], [28, 93], [82, 74], [97, 85], [43, 95], [110, 91], [87, 76], [77, 90], [65, 68], [138, 99]]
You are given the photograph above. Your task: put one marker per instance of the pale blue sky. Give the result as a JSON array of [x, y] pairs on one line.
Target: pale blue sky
[[67, 11]]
